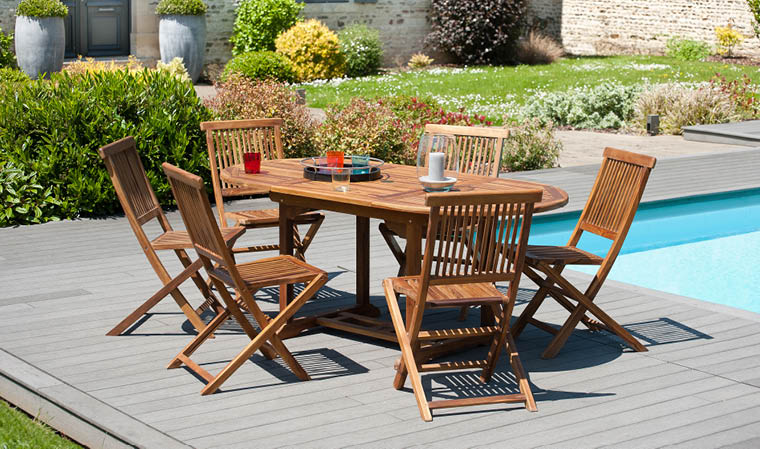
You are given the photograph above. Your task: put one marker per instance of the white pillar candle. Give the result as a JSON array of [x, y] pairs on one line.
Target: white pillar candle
[[435, 166]]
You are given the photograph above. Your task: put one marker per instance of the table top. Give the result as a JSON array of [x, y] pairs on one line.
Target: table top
[[398, 189]]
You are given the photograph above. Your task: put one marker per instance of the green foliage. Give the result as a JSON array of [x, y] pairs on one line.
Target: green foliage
[[728, 38], [7, 57], [531, 146], [476, 31], [41, 8], [259, 22], [687, 49], [181, 7], [754, 7], [363, 127], [261, 65], [604, 106], [313, 50], [18, 431], [55, 127], [241, 98], [362, 48], [680, 106], [22, 199], [9, 75]]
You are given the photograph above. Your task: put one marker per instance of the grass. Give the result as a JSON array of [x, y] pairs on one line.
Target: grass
[[498, 91], [18, 431]]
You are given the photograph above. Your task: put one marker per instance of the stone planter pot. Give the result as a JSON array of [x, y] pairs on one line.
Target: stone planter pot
[[40, 44], [185, 37]]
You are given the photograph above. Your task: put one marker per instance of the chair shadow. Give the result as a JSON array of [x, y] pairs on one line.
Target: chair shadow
[[467, 385], [663, 331], [321, 364]]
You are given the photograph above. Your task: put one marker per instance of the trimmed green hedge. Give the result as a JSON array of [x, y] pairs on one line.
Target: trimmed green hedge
[[181, 7], [41, 8], [54, 129], [261, 65]]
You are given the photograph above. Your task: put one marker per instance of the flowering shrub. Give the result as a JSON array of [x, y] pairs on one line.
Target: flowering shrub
[[728, 38], [680, 106], [743, 94], [261, 65], [313, 50], [531, 146], [362, 48], [419, 61], [476, 31], [91, 65], [363, 127], [175, 67], [259, 22], [604, 106], [242, 98]]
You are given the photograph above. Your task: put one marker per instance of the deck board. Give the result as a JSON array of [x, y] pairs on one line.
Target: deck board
[[697, 387]]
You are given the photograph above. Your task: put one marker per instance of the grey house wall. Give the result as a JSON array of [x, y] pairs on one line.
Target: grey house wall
[[583, 26]]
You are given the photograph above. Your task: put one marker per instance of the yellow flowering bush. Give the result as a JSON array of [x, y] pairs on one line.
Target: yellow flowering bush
[[728, 38], [313, 50], [91, 65]]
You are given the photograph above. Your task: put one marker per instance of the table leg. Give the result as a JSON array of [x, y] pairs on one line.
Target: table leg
[[362, 261], [286, 248]]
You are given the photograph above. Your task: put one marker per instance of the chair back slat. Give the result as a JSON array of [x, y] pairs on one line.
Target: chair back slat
[[190, 194], [616, 194], [129, 180], [477, 237], [479, 150]]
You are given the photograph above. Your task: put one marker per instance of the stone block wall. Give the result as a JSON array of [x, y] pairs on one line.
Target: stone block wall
[[593, 27]]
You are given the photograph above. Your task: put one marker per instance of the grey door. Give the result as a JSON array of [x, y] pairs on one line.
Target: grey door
[[97, 28]]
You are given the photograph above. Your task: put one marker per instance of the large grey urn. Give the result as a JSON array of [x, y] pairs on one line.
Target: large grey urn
[[185, 37], [40, 44]]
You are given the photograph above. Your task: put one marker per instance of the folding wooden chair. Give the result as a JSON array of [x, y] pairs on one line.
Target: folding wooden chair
[[608, 213], [226, 142], [479, 153], [464, 255], [140, 205], [245, 278]]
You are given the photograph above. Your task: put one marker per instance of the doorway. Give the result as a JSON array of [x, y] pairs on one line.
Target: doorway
[[97, 28]]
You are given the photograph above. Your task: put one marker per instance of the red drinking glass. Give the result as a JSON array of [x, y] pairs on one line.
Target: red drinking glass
[[335, 159], [252, 162]]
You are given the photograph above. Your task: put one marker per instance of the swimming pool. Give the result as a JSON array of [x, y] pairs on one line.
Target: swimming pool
[[704, 247]]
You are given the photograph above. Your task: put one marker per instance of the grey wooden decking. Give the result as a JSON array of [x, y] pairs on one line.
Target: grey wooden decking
[[63, 285]]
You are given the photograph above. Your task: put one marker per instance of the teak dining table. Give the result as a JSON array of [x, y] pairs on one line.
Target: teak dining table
[[396, 197]]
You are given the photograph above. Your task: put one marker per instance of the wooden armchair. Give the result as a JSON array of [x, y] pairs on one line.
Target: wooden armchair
[[226, 142], [473, 240], [140, 207], [246, 278], [479, 151], [609, 212]]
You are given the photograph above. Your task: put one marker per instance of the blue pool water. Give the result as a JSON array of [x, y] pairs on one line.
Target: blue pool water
[[705, 247]]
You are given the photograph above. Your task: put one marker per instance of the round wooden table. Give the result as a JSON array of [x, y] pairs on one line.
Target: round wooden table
[[396, 197]]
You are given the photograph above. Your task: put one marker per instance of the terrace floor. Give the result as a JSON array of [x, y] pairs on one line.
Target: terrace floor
[[63, 285]]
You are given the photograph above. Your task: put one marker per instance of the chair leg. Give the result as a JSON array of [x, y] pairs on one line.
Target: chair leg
[[522, 379], [407, 353], [390, 239], [266, 333], [170, 288], [308, 238]]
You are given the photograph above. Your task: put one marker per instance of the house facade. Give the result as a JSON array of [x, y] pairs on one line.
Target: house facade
[[121, 27]]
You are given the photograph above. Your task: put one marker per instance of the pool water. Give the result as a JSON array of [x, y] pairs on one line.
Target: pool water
[[705, 247]]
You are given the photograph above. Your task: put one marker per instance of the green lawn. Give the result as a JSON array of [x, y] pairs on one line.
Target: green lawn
[[18, 431], [496, 91]]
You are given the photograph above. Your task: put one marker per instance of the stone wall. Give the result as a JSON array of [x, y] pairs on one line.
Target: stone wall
[[8, 15], [590, 27]]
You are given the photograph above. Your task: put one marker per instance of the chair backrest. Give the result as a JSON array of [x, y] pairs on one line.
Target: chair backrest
[[132, 187], [193, 204], [477, 237], [613, 201], [228, 140], [479, 149]]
